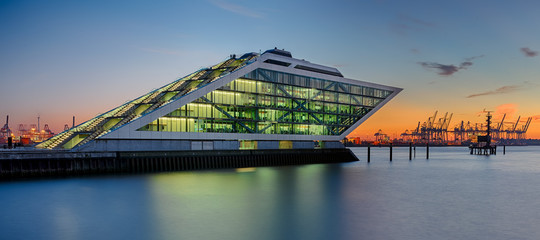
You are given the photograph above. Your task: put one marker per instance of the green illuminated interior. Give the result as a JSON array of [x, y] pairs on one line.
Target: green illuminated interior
[[270, 102]]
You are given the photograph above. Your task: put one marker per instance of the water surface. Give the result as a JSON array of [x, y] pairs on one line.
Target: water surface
[[453, 195]]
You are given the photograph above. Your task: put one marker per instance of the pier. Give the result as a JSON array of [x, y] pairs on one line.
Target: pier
[[31, 164]]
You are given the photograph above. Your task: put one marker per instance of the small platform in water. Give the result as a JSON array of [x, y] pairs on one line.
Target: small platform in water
[[484, 147], [484, 150]]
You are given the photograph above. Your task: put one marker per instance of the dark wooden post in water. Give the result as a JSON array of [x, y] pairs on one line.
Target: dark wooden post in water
[[390, 152], [369, 152], [504, 149], [427, 150], [414, 151], [410, 151]]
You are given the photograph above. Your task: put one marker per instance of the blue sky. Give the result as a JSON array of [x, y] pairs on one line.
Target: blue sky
[[65, 58]]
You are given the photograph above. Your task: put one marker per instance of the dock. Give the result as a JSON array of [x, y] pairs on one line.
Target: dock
[[36, 164]]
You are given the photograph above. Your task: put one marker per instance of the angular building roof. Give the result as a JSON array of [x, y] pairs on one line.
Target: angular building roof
[[269, 96]]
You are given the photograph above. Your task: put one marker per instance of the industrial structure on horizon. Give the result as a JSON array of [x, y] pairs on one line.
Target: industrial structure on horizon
[[27, 134], [256, 101], [437, 131]]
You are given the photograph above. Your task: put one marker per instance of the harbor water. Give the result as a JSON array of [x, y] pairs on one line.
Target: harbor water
[[451, 195]]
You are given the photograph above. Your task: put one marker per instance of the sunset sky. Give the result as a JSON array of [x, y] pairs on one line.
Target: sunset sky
[[60, 59]]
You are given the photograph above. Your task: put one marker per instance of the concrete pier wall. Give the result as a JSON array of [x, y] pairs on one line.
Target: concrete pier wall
[[54, 164]]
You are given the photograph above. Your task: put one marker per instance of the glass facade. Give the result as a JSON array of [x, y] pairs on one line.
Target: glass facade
[[271, 102]]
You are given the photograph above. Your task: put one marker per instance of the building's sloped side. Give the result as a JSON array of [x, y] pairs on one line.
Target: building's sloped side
[[126, 113]]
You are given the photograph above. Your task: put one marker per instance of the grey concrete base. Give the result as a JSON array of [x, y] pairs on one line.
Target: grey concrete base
[[57, 163], [113, 145], [157, 145]]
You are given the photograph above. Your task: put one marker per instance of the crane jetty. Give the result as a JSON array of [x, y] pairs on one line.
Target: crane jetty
[[438, 131], [483, 145]]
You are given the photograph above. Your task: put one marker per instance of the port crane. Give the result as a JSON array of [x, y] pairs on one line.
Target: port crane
[[437, 130], [5, 132]]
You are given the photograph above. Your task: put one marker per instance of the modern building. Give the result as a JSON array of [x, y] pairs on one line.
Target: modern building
[[256, 101]]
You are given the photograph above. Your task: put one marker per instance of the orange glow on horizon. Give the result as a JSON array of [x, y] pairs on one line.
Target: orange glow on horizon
[[395, 119]]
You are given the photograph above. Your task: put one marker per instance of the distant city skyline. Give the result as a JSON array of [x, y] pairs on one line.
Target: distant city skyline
[[61, 59]]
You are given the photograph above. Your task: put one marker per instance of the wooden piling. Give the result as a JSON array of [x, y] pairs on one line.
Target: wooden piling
[[427, 150], [390, 152], [410, 151], [369, 153]]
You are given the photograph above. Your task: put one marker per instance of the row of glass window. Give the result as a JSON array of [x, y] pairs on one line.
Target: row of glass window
[[171, 124], [286, 117], [309, 82], [251, 99], [266, 88], [336, 115]]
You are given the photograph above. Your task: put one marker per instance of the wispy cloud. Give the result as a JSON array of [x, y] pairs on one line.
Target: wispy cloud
[[475, 57], [238, 9], [406, 24], [501, 90], [444, 70], [449, 69], [528, 52]]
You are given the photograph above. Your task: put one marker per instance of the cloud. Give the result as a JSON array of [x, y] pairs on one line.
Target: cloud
[[444, 70], [501, 90], [415, 21], [528, 52], [448, 70], [415, 51], [238, 9], [406, 24], [475, 57]]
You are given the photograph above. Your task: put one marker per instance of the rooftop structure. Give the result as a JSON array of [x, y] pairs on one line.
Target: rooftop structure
[[256, 101]]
